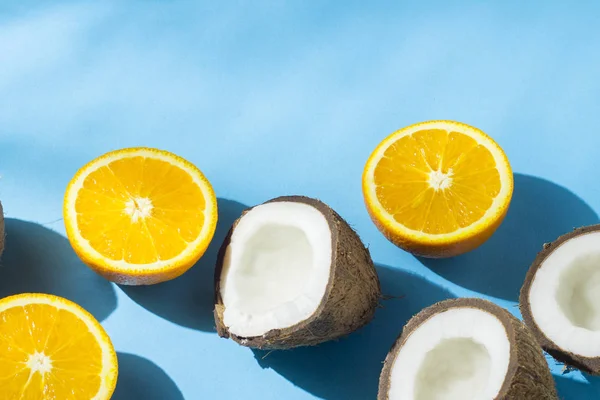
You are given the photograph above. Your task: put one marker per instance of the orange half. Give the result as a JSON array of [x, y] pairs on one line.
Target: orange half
[[438, 188], [140, 215], [50, 348]]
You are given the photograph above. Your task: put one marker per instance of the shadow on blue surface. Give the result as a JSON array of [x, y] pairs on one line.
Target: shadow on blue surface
[[189, 300], [571, 389], [540, 211], [349, 368], [39, 260], [142, 379]]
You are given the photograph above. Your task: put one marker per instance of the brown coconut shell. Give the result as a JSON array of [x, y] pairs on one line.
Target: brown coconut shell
[[351, 296], [1, 229], [528, 375], [591, 365]]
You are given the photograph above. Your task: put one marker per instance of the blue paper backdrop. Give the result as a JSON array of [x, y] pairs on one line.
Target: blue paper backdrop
[[271, 98]]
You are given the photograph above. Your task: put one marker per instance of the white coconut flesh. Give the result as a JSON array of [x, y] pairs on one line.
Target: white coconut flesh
[[276, 268], [458, 354], [565, 295]]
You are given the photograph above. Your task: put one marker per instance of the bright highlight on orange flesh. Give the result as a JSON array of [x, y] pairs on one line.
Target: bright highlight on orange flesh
[[439, 188], [50, 348], [140, 216]]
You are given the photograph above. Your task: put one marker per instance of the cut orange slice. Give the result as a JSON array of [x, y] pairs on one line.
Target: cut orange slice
[[140, 216], [50, 348], [438, 188]]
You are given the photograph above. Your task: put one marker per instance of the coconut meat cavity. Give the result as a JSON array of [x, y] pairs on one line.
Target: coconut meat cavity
[[458, 354], [565, 295], [276, 268]]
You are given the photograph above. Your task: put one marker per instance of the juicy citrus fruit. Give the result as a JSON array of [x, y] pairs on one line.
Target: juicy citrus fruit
[[140, 216], [438, 188], [50, 348]]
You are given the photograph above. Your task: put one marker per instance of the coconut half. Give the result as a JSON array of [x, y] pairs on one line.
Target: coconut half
[[560, 299], [291, 272], [465, 349], [1, 229]]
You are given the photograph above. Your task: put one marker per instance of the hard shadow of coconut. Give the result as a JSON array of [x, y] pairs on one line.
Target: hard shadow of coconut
[[189, 299], [349, 368], [142, 379], [540, 211], [571, 389], [39, 260]]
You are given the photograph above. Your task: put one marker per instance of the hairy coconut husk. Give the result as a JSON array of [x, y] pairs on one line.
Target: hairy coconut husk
[[350, 299], [528, 375], [591, 365]]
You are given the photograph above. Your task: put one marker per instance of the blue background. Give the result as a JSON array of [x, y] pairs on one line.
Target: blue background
[[271, 98]]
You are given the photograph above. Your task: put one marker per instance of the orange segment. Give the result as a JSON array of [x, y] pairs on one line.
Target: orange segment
[[457, 147], [51, 348], [432, 143], [140, 216], [438, 188]]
